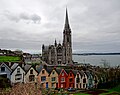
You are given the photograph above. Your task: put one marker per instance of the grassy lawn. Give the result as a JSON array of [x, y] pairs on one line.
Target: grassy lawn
[[81, 94], [9, 59], [117, 89], [109, 92]]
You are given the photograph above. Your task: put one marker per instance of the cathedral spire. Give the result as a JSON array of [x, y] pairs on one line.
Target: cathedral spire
[[55, 42], [66, 21]]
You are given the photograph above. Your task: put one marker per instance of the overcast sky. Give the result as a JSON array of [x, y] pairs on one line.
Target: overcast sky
[[27, 24]]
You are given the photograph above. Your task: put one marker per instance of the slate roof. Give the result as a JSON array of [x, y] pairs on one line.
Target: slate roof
[[58, 70], [67, 70], [27, 67], [74, 72], [49, 70], [87, 73], [1, 64], [81, 73], [14, 66]]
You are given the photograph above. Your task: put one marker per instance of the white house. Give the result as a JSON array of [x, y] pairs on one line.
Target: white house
[[5, 71], [81, 80], [84, 81], [31, 74], [17, 74]]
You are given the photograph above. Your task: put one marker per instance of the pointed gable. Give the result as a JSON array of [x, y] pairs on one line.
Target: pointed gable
[[3, 64]]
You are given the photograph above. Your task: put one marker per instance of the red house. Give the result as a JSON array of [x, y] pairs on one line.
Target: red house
[[70, 78], [62, 79]]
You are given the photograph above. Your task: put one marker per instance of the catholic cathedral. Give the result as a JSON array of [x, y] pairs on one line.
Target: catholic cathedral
[[59, 54]]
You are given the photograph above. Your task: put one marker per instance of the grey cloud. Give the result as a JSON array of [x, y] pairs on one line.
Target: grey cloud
[[33, 17], [95, 24], [10, 16], [22, 16]]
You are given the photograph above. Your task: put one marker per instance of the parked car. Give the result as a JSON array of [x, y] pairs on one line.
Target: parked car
[[71, 89]]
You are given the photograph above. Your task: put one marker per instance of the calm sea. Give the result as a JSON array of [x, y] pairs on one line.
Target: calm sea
[[113, 60]]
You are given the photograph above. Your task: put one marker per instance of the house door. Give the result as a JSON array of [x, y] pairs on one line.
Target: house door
[[56, 85], [46, 84]]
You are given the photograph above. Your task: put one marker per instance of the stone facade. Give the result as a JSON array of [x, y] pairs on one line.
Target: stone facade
[[59, 54]]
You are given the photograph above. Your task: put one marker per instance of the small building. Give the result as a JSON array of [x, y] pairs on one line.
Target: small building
[[90, 79], [81, 80], [62, 79], [53, 79], [84, 80], [78, 79], [30, 74], [17, 74], [43, 77], [5, 71], [71, 78]]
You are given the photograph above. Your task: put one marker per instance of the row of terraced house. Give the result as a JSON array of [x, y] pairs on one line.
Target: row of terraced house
[[18, 74], [48, 77], [65, 78]]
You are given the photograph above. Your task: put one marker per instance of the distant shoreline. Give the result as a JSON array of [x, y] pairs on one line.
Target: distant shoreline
[[86, 54]]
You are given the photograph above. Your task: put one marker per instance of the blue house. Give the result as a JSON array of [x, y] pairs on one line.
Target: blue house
[[90, 79], [5, 71]]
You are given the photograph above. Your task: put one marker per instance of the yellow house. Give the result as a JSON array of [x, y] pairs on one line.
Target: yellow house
[[53, 82], [43, 78]]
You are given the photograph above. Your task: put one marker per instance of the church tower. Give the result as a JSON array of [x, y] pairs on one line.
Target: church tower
[[59, 54], [67, 43]]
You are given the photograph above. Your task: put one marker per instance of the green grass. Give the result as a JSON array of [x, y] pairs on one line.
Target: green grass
[[81, 94], [109, 92], [117, 88], [9, 59]]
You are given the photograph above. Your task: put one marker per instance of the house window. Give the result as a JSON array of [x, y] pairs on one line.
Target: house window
[[31, 71], [70, 74], [18, 76], [76, 85], [95, 80], [53, 72], [70, 80], [68, 61], [43, 71], [77, 75], [31, 78], [77, 80], [43, 78], [62, 79], [52, 84], [53, 78], [61, 85], [62, 73], [18, 70], [83, 85], [2, 69], [80, 85], [84, 80]]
